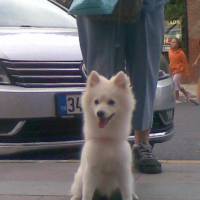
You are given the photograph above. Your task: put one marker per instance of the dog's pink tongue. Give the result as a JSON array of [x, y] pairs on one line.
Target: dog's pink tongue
[[102, 123]]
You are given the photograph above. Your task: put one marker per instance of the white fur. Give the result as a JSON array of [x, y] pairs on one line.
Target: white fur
[[106, 160]]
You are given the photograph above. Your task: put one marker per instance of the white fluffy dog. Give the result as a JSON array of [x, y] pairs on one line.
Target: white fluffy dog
[[106, 160]]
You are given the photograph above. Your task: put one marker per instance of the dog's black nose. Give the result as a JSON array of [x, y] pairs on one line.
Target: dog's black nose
[[101, 114]]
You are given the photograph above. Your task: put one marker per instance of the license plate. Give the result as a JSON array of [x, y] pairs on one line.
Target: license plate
[[68, 104]]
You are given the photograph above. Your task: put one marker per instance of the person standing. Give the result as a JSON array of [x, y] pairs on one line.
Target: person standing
[[111, 46]]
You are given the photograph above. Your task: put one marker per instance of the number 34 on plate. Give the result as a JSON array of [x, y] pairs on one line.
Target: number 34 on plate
[[73, 104]]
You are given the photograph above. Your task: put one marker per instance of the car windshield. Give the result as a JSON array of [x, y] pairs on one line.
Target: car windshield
[[34, 13]]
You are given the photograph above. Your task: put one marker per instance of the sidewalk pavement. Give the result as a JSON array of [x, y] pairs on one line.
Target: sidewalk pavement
[[51, 180], [192, 88]]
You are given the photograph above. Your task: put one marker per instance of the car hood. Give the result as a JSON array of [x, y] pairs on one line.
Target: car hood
[[29, 44]]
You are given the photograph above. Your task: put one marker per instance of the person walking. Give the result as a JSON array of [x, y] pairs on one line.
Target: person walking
[[109, 46], [178, 66]]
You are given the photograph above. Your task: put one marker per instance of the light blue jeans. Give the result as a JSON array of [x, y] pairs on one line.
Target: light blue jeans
[[108, 47]]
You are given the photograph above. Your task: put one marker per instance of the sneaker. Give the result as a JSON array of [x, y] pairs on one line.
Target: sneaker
[[178, 101], [195, 102], [190, 95], [145, 161]]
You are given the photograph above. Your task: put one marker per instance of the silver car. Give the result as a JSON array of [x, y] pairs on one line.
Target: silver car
[[42, 77]]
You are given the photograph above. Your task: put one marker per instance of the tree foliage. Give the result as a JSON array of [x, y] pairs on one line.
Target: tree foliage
[[175, 10]]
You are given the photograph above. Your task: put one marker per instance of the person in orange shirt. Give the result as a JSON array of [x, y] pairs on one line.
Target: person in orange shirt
[[178, 66]]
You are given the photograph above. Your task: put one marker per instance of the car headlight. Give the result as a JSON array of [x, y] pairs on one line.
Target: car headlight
[[3, 77]]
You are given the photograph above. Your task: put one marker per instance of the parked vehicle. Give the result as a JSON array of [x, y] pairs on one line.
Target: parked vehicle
[[42, 76]]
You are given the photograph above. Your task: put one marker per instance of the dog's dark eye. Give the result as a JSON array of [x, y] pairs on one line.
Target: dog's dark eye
[[111, 102], [96, 102]]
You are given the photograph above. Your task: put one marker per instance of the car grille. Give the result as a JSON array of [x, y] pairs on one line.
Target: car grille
[[7, 125], [162, 120], [46, 74], [47, 130]]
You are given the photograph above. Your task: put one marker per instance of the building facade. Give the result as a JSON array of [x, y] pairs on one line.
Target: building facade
[[193, 17]]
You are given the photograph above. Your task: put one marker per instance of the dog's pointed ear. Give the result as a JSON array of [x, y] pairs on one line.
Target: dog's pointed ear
[[93, 79], [122, 80]]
